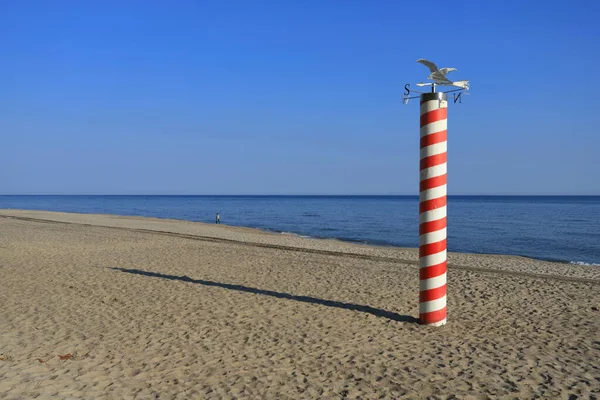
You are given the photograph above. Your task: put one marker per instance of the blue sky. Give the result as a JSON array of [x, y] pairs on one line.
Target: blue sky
[[293, 97]]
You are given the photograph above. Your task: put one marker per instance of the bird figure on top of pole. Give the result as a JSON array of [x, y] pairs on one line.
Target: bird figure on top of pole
[[438, 76]]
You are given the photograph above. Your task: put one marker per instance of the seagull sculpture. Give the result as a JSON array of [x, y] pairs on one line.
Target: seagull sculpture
[[438, 76]]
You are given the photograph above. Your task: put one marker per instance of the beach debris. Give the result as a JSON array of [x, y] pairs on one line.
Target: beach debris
[[594, 308], [65, 357], [40, 360]]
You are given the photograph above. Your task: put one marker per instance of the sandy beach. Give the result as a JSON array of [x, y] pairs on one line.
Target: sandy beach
[[109, 307]]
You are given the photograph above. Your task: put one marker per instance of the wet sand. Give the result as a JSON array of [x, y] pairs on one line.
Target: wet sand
[[97, 306]]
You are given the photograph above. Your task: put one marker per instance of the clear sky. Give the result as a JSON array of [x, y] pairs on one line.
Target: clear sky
[[293, 97]]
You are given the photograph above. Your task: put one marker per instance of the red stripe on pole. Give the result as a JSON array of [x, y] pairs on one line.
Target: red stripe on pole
[[433, 271], [432, 204], [434, 116], [432, 226], [432, 248], [432, 294], [433, 182], [432, 317], [432, 161], [434, 138]]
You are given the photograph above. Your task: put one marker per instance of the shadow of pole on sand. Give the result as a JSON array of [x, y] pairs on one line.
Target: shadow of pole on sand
[[305, 299]]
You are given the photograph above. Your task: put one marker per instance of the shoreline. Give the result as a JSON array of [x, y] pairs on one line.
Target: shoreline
[[266, 238], [376, 244]]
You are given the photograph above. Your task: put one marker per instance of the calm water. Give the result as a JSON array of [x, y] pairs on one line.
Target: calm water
[[548, 227]]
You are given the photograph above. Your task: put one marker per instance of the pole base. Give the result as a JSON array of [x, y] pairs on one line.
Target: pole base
[[439, 323]]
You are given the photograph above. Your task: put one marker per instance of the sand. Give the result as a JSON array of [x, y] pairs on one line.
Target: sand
[[108, 307]]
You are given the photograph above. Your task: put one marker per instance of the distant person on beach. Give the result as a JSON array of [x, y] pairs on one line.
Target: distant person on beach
[[218, 220]]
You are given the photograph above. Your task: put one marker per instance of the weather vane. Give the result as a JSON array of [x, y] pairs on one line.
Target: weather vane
[[438, 76], [432, 190]]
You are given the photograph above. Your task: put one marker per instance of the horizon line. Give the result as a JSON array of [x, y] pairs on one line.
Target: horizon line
[[297, 195]]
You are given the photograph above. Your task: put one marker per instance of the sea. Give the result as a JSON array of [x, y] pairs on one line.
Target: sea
[[553, 228]]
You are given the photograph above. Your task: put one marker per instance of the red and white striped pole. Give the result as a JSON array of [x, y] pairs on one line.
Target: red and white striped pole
[[432, 210]]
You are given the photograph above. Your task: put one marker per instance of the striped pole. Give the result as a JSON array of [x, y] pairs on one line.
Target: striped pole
[[432, 210]]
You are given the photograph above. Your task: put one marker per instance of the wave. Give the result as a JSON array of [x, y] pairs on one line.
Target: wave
[[295, 234], [308, 214], [584, 264], [340, 238]]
